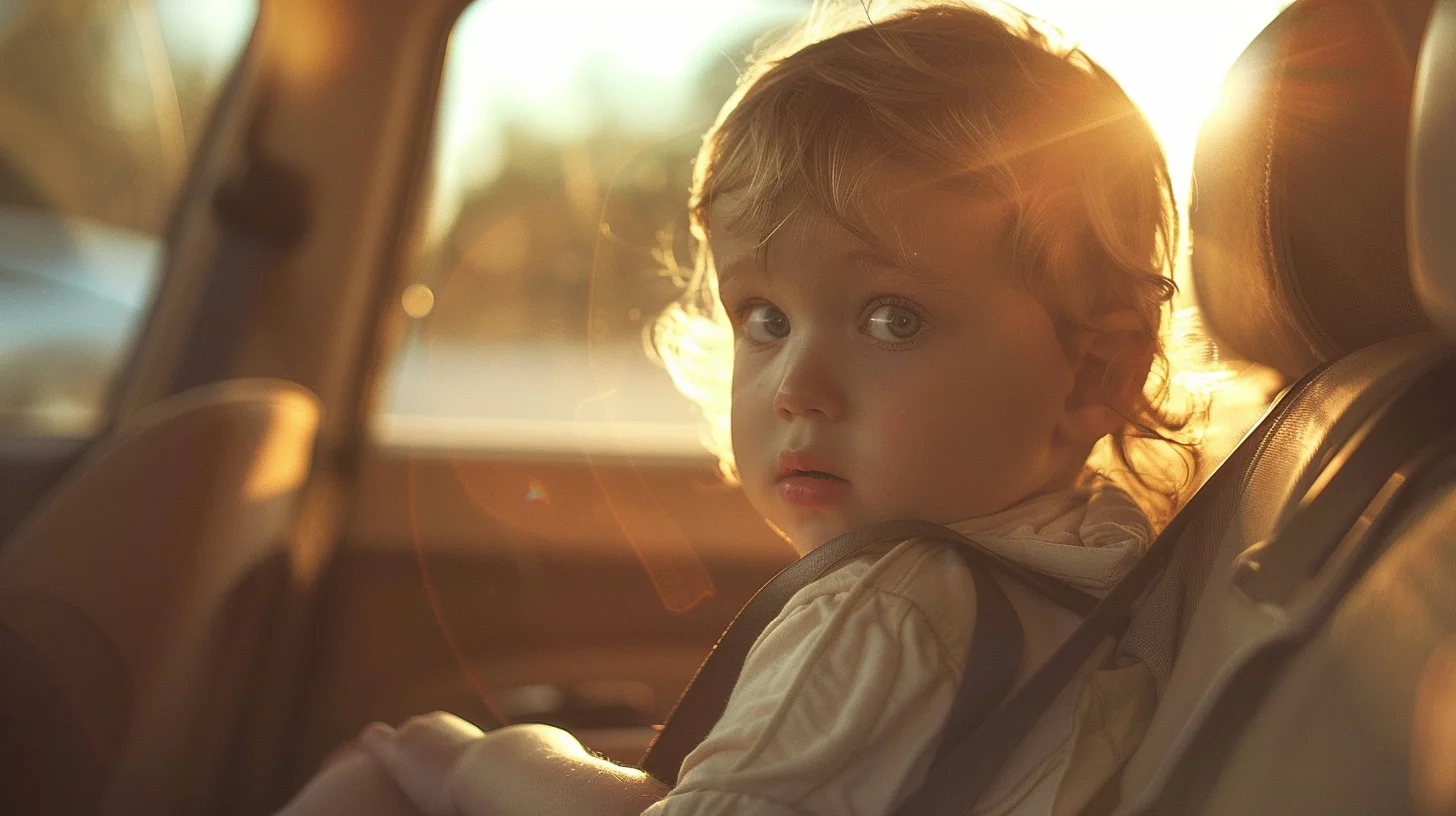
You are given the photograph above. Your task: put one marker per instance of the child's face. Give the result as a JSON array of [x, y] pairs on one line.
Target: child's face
[[935, 392]]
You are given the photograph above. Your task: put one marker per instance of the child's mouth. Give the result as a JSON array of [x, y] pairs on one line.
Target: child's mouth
[[811, 488]]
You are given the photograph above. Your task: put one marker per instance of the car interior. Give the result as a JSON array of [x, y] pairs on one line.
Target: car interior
[[241, 563]]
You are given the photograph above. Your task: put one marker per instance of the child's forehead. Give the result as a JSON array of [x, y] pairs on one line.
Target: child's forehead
[[924, 232]]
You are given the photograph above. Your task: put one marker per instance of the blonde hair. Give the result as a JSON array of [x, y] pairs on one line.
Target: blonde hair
[[958, 97]]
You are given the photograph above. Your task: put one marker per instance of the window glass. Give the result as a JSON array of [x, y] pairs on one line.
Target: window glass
[[562, 163], [101, 103]]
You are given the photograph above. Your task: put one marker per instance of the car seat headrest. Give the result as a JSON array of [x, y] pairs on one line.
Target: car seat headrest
[[1432, 171], [1298, 214]]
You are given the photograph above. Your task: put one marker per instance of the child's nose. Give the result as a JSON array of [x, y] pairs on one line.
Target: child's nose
[[808, 386]]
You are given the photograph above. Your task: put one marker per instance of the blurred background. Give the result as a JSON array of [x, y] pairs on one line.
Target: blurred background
[[559, 180]]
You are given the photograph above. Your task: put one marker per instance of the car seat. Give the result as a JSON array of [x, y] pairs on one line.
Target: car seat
[[137, 601], [1299, 226]]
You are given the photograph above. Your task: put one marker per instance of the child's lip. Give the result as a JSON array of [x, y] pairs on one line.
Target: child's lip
[[811, 491], [796, 463], [805, 480]]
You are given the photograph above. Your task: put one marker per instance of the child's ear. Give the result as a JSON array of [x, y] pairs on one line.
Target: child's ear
[[1110, 356]]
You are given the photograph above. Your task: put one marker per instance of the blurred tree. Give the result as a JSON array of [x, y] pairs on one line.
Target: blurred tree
[[568, 226]]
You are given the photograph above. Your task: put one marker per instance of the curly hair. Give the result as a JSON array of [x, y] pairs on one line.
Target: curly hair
[[961, 98]]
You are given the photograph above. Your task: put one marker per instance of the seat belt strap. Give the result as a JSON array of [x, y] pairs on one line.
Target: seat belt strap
[[992, 660], [970, 760], [963, 773], [1312, 565]]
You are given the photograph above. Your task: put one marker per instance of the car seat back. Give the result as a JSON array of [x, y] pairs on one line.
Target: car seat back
[[1431, 171], [136, 600], [1301, 205]]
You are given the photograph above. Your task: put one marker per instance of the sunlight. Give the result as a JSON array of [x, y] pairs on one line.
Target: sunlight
[[151, 41], [564, 69], [1169, 55], [569, 64]]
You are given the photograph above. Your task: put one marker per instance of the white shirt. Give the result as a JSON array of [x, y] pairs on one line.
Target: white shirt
[[841, 700]]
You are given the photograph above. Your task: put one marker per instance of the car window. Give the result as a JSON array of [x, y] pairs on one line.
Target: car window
[[560, 176], [101, 104]]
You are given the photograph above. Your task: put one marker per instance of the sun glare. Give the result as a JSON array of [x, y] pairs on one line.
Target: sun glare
[[561, 68], [1169, 55]]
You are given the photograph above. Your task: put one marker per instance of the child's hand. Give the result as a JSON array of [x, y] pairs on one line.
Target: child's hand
[[447, 767], [420, 756]]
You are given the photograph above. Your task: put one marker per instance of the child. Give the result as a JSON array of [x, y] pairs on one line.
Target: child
[[941, 245]]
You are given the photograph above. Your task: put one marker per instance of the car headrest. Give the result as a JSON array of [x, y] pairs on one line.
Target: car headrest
[[1298, 213], [1432, 171]]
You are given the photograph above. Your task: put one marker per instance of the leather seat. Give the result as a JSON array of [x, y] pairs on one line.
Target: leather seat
[[1299, 256], [136, 603]]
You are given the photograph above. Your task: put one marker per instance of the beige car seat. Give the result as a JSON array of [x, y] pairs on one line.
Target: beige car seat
[[1300, 262], [137, 601]]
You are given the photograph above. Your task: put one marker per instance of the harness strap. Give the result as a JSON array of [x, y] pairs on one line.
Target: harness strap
[[1335, 537], [964, 771], [992, 661], [969, 760]]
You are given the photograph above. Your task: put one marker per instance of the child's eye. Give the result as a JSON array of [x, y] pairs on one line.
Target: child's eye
[[893, 324], [765, 323]]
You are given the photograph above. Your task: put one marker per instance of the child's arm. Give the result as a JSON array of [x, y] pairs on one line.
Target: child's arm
[[447, 767]]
